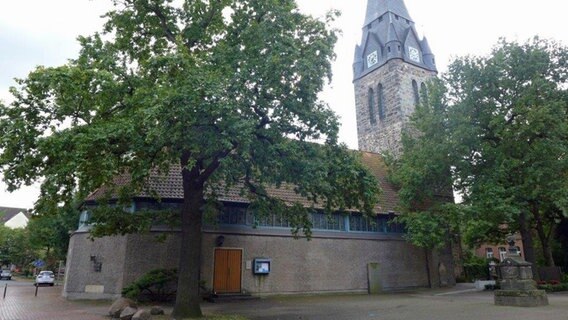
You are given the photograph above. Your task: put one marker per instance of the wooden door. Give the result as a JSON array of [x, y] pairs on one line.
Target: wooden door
[[227, 273]]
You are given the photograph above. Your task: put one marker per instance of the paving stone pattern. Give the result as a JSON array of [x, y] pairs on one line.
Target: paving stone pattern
[[459, 303], [21, 304]]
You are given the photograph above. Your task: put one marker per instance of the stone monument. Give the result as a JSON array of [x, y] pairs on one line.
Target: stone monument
[[518, 288]]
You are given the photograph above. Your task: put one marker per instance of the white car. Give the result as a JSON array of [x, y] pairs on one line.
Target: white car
[[45, 277], [6, 274]]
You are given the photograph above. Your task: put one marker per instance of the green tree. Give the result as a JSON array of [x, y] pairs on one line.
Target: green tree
[[517, 147], [50, 232], [424, 177], [15, 247], [226, 90], [503, 131]]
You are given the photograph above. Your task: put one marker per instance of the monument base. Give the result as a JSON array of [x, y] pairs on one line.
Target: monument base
[[521, 298]]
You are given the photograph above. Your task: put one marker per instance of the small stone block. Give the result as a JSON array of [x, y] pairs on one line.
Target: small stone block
[[128, 313], [94, 289], [374, 278], [119, 305], [142, 315], [521, 298], [524, 285], [156, 311]]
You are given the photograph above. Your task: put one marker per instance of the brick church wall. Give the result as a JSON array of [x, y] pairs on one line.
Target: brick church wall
[[327, 263]]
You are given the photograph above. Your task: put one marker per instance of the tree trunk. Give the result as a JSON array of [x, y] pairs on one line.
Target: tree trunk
[[544, 238], [528, 246], [187, 303], [460, 256], [428, 273]]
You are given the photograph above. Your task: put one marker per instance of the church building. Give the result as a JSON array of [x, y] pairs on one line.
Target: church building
[[240, 254]]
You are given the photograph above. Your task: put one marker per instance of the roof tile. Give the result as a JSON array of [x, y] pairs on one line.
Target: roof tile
[[169, 186]]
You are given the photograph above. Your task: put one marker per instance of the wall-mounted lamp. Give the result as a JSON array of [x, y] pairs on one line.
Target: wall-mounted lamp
[[97, 263], [219, 241]]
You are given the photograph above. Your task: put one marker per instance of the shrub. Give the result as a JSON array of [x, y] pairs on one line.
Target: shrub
[[156, 285], [476, 269], [545, 287], [553, 288]]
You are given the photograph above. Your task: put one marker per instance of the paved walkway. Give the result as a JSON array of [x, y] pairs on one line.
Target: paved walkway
[[414, 306], [22, 304], [459, 303]]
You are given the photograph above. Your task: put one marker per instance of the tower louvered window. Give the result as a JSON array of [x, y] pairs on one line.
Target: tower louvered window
[[416, 93], [381, 101], [423, 90], [372, 106]]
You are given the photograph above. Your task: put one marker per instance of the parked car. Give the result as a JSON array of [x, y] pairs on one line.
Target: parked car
[[6, 274], [45, 277]]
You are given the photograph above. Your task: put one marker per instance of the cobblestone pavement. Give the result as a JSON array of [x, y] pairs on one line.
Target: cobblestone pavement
[[449, 304], [424, 305], [22, 304]]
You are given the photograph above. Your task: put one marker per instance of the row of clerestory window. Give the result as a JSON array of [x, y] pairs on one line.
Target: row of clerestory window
[[233, 214], [376, 101], [353, 222]]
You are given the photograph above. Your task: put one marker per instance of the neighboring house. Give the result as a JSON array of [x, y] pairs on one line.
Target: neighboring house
[[14, 217], [498, 251], [241, 253]]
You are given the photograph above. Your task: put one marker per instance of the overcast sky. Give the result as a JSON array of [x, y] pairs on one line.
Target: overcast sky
[[39, 32]]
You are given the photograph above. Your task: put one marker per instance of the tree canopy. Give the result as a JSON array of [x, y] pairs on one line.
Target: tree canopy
[[15, 248], [423, 173], [226, 89], [498, 126], [50, 232]]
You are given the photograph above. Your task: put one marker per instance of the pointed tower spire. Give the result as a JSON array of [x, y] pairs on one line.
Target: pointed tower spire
[[392, 36], [429, 58], [389, 33], [393, 44], [426, 46], [377, 8]]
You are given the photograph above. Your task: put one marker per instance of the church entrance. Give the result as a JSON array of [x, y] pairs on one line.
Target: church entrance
[[228, 270]]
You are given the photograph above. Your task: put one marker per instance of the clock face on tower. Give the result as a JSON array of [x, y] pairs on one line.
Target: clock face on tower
[[414, 54], [372, 59]]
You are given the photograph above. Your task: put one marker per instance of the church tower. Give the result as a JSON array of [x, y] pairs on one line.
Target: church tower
[[391, 68]]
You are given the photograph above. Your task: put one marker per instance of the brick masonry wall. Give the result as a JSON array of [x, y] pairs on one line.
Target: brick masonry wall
[[298, 266], [146, 252], [396, 77], [81, 280], [322, 265]]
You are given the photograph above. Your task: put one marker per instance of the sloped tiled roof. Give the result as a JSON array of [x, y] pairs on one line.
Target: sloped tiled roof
[[168, 186], [8, 213], [388, 201]]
